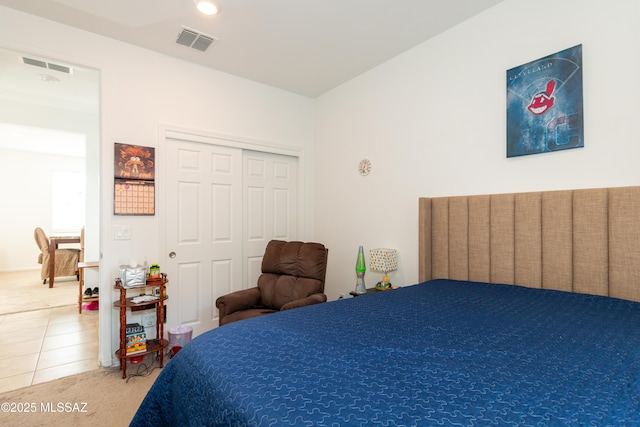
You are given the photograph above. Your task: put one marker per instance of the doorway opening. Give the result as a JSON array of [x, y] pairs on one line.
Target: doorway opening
[[49, 133]]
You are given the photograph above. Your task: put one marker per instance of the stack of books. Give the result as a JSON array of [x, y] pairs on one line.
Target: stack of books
[[136, 338]]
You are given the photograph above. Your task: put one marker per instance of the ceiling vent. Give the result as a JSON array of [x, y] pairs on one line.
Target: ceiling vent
[[195, 40], [47, 65]]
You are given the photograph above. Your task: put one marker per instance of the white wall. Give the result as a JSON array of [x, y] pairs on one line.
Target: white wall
[[140, 90], [27, 203], [433, 122], [30, 191]]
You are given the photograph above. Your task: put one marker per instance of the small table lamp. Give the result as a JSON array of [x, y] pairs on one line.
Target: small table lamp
[[384, 260]]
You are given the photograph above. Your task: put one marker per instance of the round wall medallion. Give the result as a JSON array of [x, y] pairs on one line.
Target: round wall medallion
[[364, 167]]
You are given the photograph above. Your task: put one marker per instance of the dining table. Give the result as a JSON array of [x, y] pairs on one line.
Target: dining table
[[54, 242]]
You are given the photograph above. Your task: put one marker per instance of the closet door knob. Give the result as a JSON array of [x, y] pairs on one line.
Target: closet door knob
[[172, 255]]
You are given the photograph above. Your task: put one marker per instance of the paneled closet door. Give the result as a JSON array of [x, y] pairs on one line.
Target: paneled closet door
[[223, 205], [270, 206], [203, 230]]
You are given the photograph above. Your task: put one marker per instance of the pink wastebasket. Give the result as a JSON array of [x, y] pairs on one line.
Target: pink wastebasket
[[179, 336]]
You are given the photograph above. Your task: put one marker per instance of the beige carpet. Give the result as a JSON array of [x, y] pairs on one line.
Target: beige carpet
[[94, 398], [24, 291]]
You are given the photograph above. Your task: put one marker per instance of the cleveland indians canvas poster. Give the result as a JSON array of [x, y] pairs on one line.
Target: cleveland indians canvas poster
[[544, 104]]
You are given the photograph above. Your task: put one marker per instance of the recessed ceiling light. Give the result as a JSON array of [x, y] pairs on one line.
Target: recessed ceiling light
[[207, 7]]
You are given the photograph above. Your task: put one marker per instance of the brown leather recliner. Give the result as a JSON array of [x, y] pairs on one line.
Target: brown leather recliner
[[292, 276]]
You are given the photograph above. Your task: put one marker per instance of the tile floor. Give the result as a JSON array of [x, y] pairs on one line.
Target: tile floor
[[43, 345]]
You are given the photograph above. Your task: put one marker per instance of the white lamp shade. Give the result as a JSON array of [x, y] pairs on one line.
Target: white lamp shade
[[383, 260]]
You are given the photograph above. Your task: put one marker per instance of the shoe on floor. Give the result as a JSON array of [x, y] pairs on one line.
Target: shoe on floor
[[87, 292]]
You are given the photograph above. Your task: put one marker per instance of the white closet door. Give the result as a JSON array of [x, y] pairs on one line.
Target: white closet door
[[203, 229], [223, 205], [270, 208]]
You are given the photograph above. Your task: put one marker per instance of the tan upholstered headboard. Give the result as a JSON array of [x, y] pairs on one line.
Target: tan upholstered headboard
[[585, 241]]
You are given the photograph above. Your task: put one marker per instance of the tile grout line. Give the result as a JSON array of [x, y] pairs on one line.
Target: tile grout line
[[35, 369]]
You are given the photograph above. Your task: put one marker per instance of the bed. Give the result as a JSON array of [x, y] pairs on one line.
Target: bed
[[526, 313]]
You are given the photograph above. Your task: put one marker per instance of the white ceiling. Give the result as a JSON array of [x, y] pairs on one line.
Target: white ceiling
[[303, 46]]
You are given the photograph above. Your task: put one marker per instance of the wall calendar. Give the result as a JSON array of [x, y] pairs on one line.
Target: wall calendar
[[134, 185], [134, 198]]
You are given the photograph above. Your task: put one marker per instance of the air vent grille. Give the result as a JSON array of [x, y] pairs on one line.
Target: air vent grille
[[60, 68], [48, 65], [187, 37], [35, 62], [195, 40], [202, 43]]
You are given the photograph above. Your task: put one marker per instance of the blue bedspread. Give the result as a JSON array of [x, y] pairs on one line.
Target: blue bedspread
[[438, 353]]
